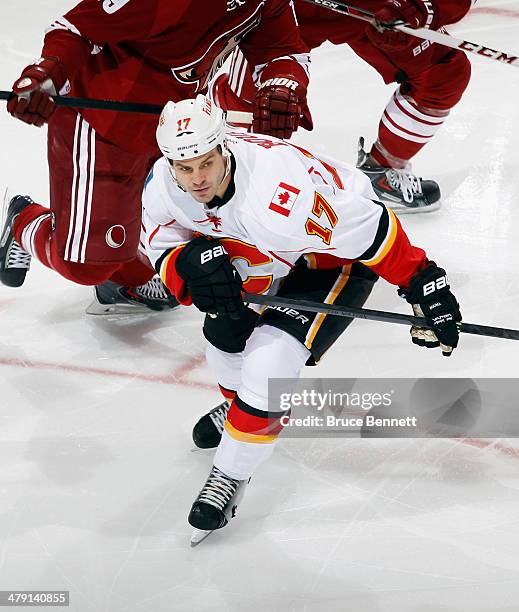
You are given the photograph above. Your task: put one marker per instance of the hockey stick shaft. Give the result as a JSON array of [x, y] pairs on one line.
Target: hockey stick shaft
[[126, 107], [374, 315], [431, 35]]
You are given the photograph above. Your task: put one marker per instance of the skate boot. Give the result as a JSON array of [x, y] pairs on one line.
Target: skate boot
[[400, 190], [14, 261], [215, 505], [207, 433], [113, 299]]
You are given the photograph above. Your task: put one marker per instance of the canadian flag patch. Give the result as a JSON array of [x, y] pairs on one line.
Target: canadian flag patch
[[284, 199]]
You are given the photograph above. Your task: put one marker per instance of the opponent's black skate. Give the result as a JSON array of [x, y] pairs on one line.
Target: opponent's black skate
[[215, 505], [14, 261], [207, 433], [400, 190], [114, 299]]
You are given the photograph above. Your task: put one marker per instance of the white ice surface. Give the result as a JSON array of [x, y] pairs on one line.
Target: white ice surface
[[96, 471]]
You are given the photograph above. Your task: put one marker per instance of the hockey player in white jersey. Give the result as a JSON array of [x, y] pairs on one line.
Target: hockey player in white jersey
[[225, 212]]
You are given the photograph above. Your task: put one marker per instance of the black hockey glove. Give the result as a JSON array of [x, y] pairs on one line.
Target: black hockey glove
[[430, 296], [212, 281]]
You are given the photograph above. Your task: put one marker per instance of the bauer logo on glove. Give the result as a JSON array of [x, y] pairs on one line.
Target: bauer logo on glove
[[212, 253], [430, 296], [212, 281]]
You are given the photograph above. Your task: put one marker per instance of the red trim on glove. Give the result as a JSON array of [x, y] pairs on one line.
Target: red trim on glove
[[172, 280]]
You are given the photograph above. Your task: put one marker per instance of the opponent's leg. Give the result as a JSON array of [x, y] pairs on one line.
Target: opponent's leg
[[91, 233], [431, 84]]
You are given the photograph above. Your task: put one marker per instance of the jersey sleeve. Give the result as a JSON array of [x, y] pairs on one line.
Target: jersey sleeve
[[91, 24], [276, 37], [360, 227], [365, 230], [391, 255]]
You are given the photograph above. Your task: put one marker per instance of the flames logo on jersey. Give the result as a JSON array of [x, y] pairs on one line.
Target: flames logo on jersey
[[200, 72]]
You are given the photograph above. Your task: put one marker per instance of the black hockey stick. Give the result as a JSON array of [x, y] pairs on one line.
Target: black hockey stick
[[374, 315], [431, 35], [126, 107]]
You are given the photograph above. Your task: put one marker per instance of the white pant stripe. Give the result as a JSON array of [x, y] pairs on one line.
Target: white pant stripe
[[90, 191], [73, 192], [81, 193], [81, 205]]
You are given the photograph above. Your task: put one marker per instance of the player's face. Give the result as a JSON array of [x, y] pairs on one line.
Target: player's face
[[202, 176]]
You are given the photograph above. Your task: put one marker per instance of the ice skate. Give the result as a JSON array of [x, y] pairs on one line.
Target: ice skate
[[113, 299], [207, 432], [400, 190], [215, 505], [14, 260]]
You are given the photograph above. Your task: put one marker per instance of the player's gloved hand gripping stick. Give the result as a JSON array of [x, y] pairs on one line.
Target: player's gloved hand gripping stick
[[31, 100], [430, 296], [211, 280], [377, 315]]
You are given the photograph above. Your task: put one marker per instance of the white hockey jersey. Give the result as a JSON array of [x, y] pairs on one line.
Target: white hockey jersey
[[286, 203]]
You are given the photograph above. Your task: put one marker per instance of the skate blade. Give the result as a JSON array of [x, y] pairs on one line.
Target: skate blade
[[399, 209], [198, 536], [98, 309]]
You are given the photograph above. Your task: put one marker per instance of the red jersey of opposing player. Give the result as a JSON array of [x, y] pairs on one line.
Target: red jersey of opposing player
[[165, 50], [318, 24], [135, 51]]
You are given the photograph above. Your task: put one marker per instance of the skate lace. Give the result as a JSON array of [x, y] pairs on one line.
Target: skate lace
[[17, 257], [405, 182], [218, 490], [152, 290], [219, 415]]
